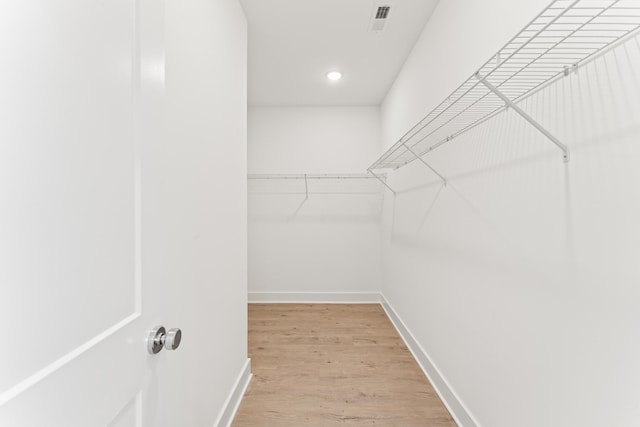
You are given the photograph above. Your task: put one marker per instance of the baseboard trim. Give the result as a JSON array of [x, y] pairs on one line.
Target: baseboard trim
[[457, 409], [315, 297], [235, 397]]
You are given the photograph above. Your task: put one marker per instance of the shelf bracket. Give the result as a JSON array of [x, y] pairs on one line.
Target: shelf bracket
[[306, 188], [381, 180], [520, 111], [444, 180]]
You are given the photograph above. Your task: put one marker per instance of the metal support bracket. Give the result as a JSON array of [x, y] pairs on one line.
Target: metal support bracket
[[444, 180], [569, 69], [306, 188], [520, 111], [381, 180]]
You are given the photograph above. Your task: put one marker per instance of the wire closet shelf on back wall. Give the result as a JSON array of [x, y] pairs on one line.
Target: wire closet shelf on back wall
[[315, 183], [565, 35]]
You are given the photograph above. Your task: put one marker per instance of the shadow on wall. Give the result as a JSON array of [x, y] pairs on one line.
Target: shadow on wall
[[508, 177], [522, 272], [321, 238], [317, 201]]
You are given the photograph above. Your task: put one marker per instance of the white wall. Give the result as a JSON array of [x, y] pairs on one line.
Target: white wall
[[520, 278], [204, 215], [330, 242], [313, 139]]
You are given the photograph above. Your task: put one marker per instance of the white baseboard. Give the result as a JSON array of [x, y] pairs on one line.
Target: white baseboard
[[457, 409], [235, 397], [315, 297]]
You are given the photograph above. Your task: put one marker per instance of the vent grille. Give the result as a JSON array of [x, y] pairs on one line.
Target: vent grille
[[383, 12], [379, 17]]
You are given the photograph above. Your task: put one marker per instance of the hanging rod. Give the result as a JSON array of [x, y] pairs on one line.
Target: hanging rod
[[563, 37]]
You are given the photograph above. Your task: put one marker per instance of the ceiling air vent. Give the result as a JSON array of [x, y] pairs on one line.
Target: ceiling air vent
[[379, 17], [383, 12]]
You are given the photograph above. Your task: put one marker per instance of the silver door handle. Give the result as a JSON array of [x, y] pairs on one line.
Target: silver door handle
[[159, 338]]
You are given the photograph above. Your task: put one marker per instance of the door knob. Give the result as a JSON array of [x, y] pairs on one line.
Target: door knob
[[172, 339], [159, 338]]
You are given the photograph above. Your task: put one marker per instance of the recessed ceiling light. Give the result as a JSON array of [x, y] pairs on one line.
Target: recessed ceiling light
[[334, 75]]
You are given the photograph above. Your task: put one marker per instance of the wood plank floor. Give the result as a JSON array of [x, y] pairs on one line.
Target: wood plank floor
[[333, 364]]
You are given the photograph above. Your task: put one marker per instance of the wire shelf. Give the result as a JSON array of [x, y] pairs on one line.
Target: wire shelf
[[308, 176], [315, 183], [565, 35]]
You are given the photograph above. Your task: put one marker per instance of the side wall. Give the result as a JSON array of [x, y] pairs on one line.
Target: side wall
[[330, 241], [520, 278], [205, 215]]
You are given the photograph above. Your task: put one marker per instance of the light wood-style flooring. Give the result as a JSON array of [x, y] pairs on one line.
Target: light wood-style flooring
[[333, 364]]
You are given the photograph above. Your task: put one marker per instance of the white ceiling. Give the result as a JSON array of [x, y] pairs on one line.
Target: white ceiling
[[294, 43]]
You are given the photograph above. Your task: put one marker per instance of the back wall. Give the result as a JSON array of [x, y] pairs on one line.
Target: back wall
[[328, 242]]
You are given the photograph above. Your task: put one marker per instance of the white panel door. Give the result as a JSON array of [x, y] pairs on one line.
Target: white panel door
[[81, 83]]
